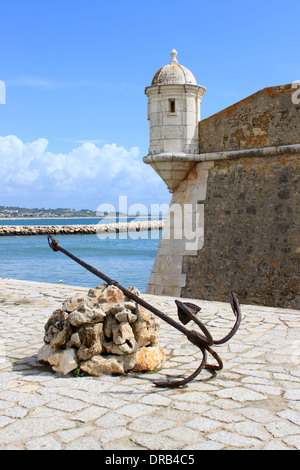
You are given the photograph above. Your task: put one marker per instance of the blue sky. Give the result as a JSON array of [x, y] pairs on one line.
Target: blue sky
[[74, 127]]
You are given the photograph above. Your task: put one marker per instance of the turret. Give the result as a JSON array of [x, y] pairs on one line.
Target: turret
[[174, 100]]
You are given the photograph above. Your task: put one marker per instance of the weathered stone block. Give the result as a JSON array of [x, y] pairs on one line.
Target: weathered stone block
[[58, 330], [91, 341], [99, 365], [63, 361], [86, 315], [149, 358]]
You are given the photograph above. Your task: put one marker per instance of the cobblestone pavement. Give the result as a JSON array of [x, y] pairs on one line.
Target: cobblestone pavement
[[254, 403]]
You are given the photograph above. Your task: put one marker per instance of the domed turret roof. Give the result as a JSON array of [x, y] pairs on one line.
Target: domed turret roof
[[174, 74]]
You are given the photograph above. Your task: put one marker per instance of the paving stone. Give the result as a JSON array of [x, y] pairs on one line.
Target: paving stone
[[89, 414], [234, 440], [292, 395], [105, 401], [281, 429], [67, 404], [203, 424], [205, 446], [5, 420], [266, 389], [248, 429], [111, 420], [183, 434], [112, 434], [44, 412], [85, 443], [241, 394], [151, 424], [156, 399], [43, 443], [16, 412], [258, 414], [156, 442], [136, 410], [193, 408], [275, 445], [194, 397], [225, 404], [293, 441], [70, 435], [222, 416], [292, 416]]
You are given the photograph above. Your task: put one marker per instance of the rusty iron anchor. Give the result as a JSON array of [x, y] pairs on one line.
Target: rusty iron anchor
[[186, 313]]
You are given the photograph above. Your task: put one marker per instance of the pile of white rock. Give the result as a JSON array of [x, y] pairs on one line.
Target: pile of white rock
[[102, 333]]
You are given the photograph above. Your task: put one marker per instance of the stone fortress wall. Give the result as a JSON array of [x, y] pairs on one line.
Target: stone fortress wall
[[244, 193]]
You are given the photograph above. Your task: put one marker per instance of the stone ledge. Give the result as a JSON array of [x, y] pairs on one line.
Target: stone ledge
[[223, 155]]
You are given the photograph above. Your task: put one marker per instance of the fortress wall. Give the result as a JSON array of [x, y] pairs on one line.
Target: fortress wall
[[251, 233], [249, 237], [265, 119]]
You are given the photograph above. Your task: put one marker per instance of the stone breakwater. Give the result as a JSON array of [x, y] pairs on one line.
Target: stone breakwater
[[28, 230]]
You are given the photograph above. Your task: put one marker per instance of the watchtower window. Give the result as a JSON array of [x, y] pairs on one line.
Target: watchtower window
[[172, 108]]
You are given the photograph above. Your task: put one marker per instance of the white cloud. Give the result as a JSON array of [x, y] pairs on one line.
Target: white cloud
[[83, 141], [87, 173]]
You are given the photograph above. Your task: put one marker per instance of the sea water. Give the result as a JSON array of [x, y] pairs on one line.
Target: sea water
[[126, 257]]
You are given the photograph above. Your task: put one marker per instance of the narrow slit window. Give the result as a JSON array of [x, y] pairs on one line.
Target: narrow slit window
[[172, 106]]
